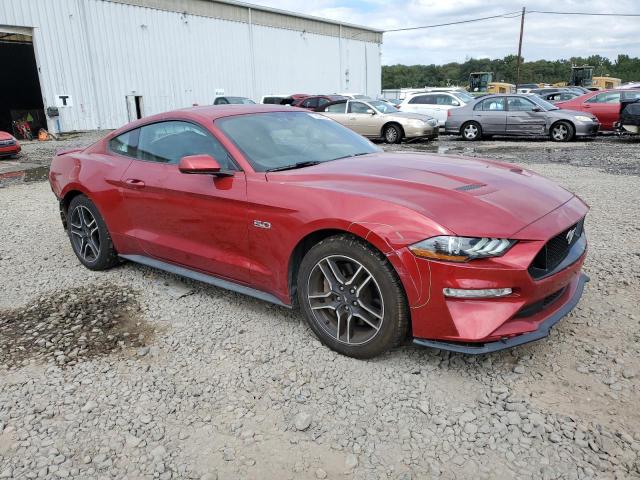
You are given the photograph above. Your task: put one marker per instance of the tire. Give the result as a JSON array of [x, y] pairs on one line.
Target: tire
[[90, 239], [471, 131], [349, 312], [392, 134], [562, 132]]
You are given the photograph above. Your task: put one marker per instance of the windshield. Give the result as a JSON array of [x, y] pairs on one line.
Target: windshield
[[542, 103], [383, 107], [240, 100], [275, 140], [464, 96]]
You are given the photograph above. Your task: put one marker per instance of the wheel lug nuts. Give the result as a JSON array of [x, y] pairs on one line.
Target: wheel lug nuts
[[341, 287], [355, 303]]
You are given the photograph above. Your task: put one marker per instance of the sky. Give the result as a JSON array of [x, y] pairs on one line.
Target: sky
[[545, 36]]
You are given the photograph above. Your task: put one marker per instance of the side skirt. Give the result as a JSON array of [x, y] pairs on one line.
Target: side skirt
[[203, 277]]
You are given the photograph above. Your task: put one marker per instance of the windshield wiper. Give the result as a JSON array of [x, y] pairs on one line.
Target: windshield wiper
[[351, 155], [308, 163]]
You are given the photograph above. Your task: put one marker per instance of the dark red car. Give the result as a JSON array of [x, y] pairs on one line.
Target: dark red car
[[604, 104], [314, 101], [9, 145], [289, 206]]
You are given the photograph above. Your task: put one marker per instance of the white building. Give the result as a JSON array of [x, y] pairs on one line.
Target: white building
[[105, 62]]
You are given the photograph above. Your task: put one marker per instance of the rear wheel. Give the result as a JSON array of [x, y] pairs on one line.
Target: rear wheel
[[392, 134], [471, 131], [89, 236], [562, 132], [352, 298]]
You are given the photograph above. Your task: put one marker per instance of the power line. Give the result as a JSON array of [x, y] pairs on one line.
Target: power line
[[513, 15], [504, 15], [587, 14]]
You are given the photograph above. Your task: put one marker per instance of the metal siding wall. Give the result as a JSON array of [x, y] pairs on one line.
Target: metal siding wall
[[60, 53], [173, 60]]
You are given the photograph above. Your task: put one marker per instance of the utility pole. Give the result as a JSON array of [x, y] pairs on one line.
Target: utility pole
[[520, 48]]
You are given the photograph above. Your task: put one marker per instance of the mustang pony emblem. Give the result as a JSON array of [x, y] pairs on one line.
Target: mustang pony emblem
[[570, 235]]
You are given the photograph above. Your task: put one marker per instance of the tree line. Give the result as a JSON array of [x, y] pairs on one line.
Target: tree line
[[539, 71]]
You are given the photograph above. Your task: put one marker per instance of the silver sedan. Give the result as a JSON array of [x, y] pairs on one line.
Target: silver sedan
[[514, 114]]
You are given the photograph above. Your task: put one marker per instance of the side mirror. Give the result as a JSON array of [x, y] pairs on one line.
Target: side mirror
[[536, 109], [200, 164], [370, 111], [455, 103]]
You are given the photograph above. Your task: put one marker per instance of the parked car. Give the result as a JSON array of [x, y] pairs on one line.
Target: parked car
[[225, 100], [526, 87], [544, 90], [9, 145], [290, 207], [354, 96], [292, 99], [376, 119], [560, 96], [435, 104], [629, 116], [519, 115], [314, 101], [604, 104], [273, 99]]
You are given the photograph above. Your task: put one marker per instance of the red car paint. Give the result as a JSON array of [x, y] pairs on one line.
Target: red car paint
[[608, 113], [390, 200], [8, 144]]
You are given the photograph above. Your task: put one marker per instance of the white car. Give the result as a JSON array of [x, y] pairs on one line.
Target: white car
[[354, 96], [435, 104]]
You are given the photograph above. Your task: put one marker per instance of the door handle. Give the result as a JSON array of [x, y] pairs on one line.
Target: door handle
[[134, 182], [352, 118]]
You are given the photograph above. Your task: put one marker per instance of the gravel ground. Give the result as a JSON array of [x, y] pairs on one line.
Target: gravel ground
[[133, 373]]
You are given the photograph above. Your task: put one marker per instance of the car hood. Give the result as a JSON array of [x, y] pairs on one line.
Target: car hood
[[5, 136], [467, 196]]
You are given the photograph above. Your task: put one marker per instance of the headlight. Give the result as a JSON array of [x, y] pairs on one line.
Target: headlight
[[433, 122], [460, 249], [583, 118]]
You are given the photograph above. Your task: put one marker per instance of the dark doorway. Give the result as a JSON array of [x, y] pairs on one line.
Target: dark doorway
[[134, 107], [20, 94]]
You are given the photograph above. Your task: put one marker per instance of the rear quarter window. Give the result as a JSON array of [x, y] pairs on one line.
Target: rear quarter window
[[126, 144]]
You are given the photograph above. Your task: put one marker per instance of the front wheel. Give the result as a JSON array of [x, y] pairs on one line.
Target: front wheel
[[392, 134], [471, 131], [89, 236], [562, 132], [352, 298]]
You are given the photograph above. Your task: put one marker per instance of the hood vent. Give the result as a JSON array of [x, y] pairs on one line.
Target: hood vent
[[472, 186]]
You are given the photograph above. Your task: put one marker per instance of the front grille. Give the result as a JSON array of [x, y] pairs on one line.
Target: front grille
[[555, 251], [540, 305], [6, 143], [471, 186]]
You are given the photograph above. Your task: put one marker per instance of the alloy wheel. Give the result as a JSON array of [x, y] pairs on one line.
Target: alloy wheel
[[470, 131], [84, 233], [345, 299], [391, 135], [560, 132]]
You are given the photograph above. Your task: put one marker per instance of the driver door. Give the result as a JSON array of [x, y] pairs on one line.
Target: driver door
[[360, 120], [522, 119], [198, 221]]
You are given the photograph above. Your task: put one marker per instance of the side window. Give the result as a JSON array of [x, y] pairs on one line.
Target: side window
[[221, 101], [125, 144], [337, 108], [310, 103], [607, 97], [322, 101], [517, 104], [424, 100], [168, 142], [491, 105], [358, 107], [632, 95], [444, 100]]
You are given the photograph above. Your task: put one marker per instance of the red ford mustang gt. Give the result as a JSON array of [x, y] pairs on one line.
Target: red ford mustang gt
[[289, 206]]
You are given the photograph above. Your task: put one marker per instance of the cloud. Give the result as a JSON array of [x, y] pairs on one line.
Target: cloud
[[545, 36]]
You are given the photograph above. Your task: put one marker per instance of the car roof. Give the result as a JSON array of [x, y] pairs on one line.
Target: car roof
[[207, 113]]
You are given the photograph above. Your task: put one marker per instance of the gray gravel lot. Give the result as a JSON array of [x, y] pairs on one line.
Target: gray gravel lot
[[134, 373]]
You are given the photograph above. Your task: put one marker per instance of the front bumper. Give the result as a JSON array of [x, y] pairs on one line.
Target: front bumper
[[584, 129], [6, 150], [509, 342], [421, 132]]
